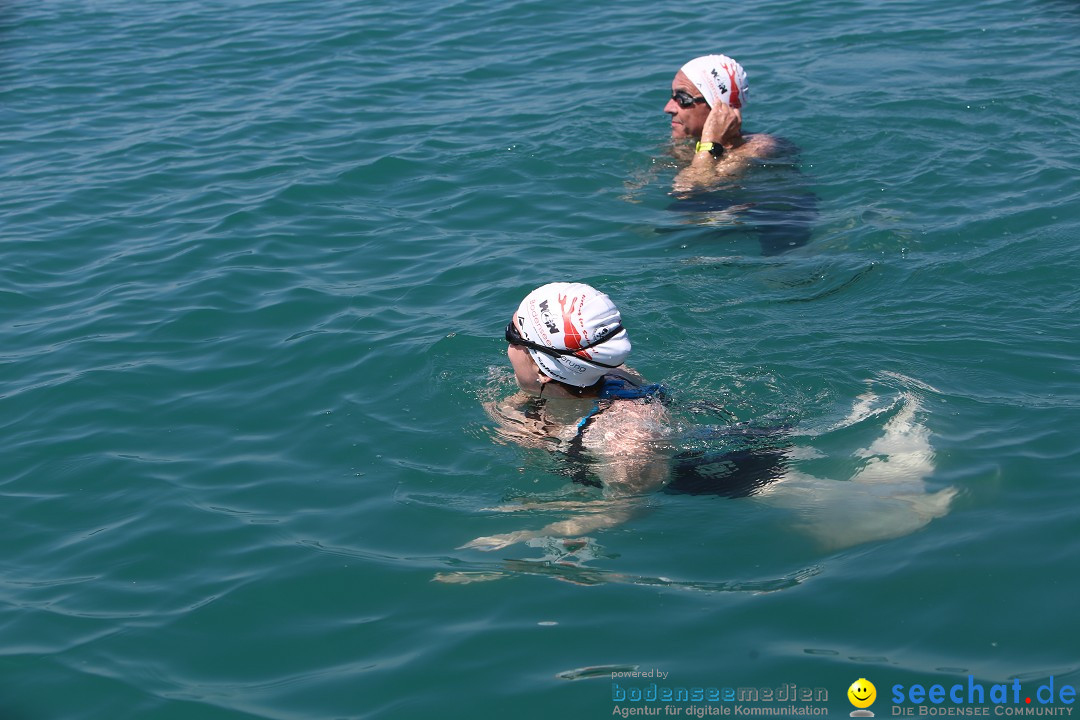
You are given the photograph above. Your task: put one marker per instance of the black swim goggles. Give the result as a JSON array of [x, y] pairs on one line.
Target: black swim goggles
[[685, 99], [514, 338]]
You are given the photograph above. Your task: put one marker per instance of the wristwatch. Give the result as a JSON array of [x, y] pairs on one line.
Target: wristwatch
[[714, 149]]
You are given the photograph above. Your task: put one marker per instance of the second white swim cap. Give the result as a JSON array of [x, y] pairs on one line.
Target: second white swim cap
[[568, 316]]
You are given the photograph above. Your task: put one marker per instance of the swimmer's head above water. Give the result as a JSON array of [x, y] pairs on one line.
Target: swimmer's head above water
[[564, 338], [702, 85]]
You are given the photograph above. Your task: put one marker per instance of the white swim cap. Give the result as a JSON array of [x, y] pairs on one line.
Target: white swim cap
[[568, 316], [719, 79]]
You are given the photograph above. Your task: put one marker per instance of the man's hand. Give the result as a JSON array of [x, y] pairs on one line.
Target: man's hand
[[723, 125]]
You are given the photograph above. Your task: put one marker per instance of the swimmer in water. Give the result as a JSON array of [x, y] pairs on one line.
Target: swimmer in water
[[707, 97], [568, 347]]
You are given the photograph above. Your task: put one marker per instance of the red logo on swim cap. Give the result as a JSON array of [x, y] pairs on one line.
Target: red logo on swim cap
[[571, 337], [734, 101]]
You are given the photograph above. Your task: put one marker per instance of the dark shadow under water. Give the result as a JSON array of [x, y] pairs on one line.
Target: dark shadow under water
[[748, 459], [772, 200]]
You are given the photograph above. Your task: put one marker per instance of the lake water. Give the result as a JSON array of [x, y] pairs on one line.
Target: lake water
[[255, 263]]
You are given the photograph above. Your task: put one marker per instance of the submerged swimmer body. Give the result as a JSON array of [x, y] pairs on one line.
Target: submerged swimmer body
[[707, 97], [567, 347]]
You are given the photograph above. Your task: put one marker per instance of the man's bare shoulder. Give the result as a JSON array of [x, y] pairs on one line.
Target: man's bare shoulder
[[758, 145]]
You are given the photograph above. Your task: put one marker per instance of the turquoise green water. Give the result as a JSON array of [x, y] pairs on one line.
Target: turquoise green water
[[256, 261]]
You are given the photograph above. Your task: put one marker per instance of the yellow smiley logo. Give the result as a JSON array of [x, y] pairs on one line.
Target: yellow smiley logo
[[862, 693]]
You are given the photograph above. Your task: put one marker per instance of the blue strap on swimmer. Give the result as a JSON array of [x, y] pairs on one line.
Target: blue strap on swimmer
[[619, 388], [585, 420], [615, 387]]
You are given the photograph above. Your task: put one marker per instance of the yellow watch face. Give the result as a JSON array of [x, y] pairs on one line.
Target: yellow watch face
[[714, 149]]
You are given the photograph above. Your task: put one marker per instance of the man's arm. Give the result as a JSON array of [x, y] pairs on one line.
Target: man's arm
[[723, 129]]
